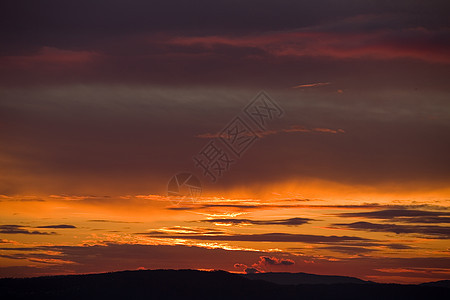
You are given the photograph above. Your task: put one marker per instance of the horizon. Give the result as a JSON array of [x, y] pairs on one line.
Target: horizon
[[218, 270]]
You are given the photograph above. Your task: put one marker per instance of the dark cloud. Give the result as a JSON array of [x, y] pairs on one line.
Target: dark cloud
[[360, 247], [264, 263], [349, 249], [267, 260], [185, 230], [62, 226], [19, 229], [38, 257], [247, 269], [245, 207], [110, 221], [21, 248], [288, 222], [399, 246], [251, 270], [402, 215], [268, 237], [427, 231]]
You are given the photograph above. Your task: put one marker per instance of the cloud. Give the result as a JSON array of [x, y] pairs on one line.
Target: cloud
[[266, 260], [308, 85], [426, 231], [251, 270], [267, 237], [21, 199], [287, 222], [291, 129], [110, 221], [246, 269], [263, 263], [247, 207], [353, 248], [18, 229], [384, 44], [186, 230], [349, 249], [328, 130], [403, 215], [62, 226], [399, 246]]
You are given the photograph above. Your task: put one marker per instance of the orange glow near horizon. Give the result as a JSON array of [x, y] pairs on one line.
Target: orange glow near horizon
[[154, 220]]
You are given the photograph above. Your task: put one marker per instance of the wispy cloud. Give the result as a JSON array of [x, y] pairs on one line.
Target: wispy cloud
[[308, 85], [18, 229], [110, 221], [291, 129], [263, 206], [186, 230], [62, 226], [403, 215], [427, 231], [287, 222], [267, 237], [349, 249]]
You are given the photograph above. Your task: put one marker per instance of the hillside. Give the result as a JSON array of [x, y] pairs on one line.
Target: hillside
[[192, 284]]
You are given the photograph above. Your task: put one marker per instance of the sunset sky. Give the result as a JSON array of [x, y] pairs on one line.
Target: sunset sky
[[103, 102]]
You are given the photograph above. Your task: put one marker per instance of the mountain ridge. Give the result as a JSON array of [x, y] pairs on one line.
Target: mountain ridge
[[195, 284], [286, 278]]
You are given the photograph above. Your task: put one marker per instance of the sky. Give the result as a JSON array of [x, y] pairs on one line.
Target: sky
[[341, 166]]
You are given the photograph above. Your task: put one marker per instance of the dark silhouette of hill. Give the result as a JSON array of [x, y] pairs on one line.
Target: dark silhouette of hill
[[192, 284], [441, 283], [302, 278]]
